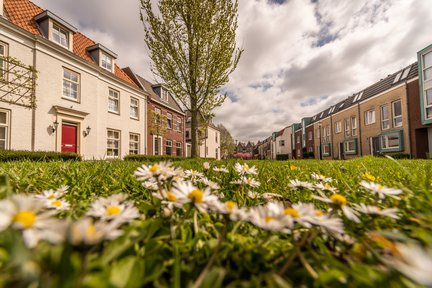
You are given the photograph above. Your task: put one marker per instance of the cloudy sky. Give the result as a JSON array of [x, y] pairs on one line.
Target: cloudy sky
[[300, 56]]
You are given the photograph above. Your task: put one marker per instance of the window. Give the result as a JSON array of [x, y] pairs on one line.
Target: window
[[4, 129], [60, 36], [298, 153], [385, 118], [169, 120], [428, 102], [427, 66], [187, 134], [353, 126], [106, 62], [281, 142], [164, 95], [157, 143], [338, 127], [114, 101], [350, 147], [168, 147], [397, 114], [179, 124], [298, 140], [206, 151], [179, 149], [113, 143], [134, 108], [217, 153], [70, 84], [369, 117], [392, 141], [311, 149], [326, 150], [3, 63], [347, 127], [216, 137], [158, 118], [327, 133], [318, 132], [134, 141], [310, 135]]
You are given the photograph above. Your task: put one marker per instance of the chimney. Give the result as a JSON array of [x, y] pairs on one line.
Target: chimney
[[1, 8]]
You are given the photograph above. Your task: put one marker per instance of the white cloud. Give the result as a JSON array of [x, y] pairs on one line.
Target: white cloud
[[297, 52]]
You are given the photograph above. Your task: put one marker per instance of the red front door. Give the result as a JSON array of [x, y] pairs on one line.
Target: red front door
[[69, 138]]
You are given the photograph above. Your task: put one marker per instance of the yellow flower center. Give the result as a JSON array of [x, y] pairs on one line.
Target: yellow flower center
[[268, 219], [56, 203], [230, 205], [196, 196], [369, 177], [292, 212], [327, 186], [50, 197], [293, 168], [90, 231], [154, 168], [113, 210], [25, 218], [319, 213], [171, 197], [338, 199]]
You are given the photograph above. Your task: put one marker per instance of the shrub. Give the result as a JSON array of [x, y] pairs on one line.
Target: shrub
[[152, 158], [38, 156], [282, 157]]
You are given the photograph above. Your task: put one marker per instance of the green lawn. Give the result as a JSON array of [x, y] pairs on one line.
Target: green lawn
[[173, 248]]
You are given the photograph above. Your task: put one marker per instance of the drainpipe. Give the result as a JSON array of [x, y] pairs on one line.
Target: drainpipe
[[408, 122], [33, 127]]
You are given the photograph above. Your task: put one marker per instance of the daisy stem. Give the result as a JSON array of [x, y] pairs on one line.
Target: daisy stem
[[308, 267], [298, 245], [206, 269], [185, 217], [195, 221]]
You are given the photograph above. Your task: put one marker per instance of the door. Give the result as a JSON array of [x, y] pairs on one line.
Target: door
[[374, 145], [69, 138], [341, 151]]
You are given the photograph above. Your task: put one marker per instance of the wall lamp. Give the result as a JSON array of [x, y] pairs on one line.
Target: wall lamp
[[54, 126], [87, 131]]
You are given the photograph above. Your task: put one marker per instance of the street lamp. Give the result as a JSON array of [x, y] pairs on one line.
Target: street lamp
[[320, 141]]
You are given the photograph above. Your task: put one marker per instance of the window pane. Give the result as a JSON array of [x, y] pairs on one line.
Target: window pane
[[427, 58], [3, 119], [397, 108], [393, 141], [428, 74], [429, 97], [429, 113], [2, 133]]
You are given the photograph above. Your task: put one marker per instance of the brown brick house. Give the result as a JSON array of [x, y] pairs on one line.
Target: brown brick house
[[169, 138]]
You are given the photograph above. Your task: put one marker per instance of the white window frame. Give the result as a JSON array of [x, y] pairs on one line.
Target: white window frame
[[384, 140], [168, 144], [178, 124], [327, 133], [111, 149], [134, 108], [179, 146], [395, 117], [70, 82], [427, 69], [106, 62], [134, 143], [169, 120], [3, 63], [114, 97], [338, 127], [353, 126], [347, 124], [310, 135], [6, 127], [160, 150], [164, 94], [324, 148], [347, 147], [370, 117], [58, 31], [385, 122], [281, 143], [427, 107], [298, 139]]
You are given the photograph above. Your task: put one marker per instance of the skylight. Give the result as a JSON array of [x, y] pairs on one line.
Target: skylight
[[405, 73], [332, 109], [322, 113], [356, 97], [313, 118], [397, 78], [340, 106], [360, 96]]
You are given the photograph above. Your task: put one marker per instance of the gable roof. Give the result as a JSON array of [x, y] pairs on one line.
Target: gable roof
[[22, 14]]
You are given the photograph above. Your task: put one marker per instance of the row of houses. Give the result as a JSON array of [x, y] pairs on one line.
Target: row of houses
[[82, 101], [391, 116]]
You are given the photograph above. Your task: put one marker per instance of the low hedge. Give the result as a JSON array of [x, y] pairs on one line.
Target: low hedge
[[282, 157], [37, 156], [152, 158]]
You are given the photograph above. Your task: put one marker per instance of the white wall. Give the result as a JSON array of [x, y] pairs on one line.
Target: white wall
[[213, 146]]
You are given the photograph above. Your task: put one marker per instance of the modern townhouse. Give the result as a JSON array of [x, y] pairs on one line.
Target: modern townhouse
[[165, 119], [84, 102], [208, 137], [297, 141], [283, 143]]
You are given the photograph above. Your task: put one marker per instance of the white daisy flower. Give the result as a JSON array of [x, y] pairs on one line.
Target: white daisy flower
[[160, 172], [221, 169], [27, 214], [325, 187], [114, 207], [374, 210], [50, 194], [301, 213], [168, 198], [87, 232], [246, 181], [57, 204], [150, 184], [206, 166], [253, 195], [193, 175], [296, 184], [244, 169], [269, 217], [235, 213], [381, 190], [414, 262], [271, 196], [209, 183], [321, 178], [332, 225], [186, 192], [341, 202]]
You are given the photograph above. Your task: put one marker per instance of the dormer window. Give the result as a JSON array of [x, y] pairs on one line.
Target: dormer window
[[60, 35], [164, 95], [106, 62]]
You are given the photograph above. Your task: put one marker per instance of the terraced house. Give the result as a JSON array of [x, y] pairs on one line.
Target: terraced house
[[84, 102]]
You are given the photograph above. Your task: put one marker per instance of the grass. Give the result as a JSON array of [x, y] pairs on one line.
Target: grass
[[149, 255]]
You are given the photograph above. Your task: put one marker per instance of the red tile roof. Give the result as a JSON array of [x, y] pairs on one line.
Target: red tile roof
[[22, 13]]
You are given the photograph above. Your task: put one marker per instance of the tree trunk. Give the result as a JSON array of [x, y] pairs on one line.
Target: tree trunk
[[194, 134]]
